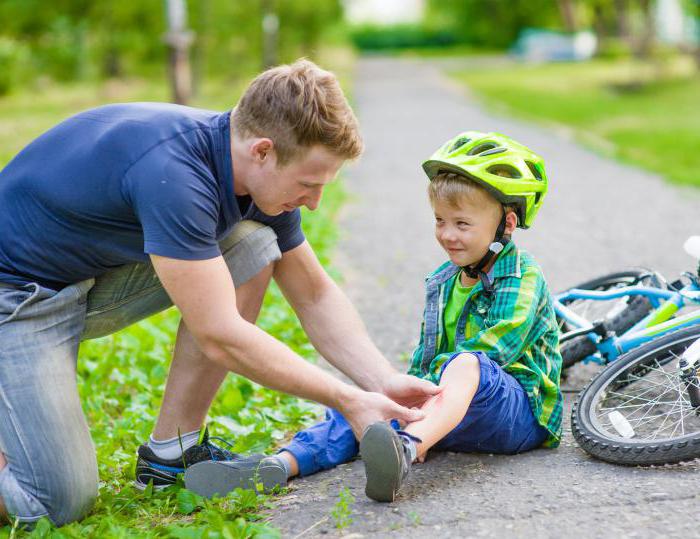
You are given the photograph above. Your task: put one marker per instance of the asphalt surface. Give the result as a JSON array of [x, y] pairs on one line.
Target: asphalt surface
[[599, 216]]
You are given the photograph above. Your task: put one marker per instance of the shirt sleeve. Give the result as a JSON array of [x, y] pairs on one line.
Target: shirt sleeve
[[510, 325], [177, 204]]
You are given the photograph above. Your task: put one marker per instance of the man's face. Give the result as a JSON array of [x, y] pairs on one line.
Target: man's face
[[465, 232], [298, 183]]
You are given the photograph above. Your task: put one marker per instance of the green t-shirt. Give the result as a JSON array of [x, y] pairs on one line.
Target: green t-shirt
[[455, 305]]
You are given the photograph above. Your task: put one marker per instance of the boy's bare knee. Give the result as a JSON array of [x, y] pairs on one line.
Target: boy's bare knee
[[464, 367]]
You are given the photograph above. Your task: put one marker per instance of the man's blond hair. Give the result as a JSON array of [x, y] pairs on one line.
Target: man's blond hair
[[298, 106]]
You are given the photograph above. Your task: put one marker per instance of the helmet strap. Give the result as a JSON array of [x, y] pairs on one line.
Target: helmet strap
[[497, 245]]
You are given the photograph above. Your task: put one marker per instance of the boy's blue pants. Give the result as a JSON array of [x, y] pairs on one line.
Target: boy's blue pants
[[499, 420]]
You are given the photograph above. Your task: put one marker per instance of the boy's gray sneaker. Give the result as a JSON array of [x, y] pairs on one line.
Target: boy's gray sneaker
[[211, 478], [387, 459]]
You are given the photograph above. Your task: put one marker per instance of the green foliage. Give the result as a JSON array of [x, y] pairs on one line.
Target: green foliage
[[623, 107], [13, 57], [76, 39], [370, 37], [495, 23], [342, 510]]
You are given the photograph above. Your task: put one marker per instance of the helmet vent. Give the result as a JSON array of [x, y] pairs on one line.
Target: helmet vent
[[461, 141], [492, 151], [535, 171], [506, 171], [481, 148]]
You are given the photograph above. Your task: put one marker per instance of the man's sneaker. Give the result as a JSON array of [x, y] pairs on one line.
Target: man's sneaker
[[163, 473], [211, 478], [387, 457]]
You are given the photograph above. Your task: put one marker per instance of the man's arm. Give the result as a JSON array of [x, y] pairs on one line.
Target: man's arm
[[203, 291], [336, 330]]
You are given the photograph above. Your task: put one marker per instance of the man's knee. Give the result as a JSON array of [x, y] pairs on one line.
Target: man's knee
[[249, 249], [71, 496], [62, 497]]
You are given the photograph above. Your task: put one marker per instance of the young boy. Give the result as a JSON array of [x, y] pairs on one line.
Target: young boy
[[488, 338]]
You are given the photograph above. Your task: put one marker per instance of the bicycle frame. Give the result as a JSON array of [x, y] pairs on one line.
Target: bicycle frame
[[666, 303]]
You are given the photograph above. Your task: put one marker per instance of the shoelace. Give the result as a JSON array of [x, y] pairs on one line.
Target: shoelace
[[213, 449]]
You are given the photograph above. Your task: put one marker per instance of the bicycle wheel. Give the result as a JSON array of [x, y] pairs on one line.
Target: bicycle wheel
[[637, 411], [619, 314]]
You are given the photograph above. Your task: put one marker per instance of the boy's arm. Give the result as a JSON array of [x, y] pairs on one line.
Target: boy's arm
[[337, 332]]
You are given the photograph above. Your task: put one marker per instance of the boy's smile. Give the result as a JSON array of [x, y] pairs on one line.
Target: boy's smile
[[466, 231]]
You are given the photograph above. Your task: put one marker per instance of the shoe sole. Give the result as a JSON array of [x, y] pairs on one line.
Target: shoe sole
[[211, 478], [382, 461]]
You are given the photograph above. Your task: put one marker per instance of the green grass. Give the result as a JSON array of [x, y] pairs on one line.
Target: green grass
[[122, 377], [643, 114]]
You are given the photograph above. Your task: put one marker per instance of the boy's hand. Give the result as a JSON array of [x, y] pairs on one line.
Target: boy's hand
[[408, 390], [363, 408]]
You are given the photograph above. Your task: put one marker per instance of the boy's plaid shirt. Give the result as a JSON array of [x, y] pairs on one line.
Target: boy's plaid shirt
[[515, 327]]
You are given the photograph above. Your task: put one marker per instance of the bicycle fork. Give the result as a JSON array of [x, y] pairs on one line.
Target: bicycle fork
[[688, 366]]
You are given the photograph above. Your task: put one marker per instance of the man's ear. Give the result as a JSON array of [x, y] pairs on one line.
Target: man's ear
[[511, 222], [261, 149]]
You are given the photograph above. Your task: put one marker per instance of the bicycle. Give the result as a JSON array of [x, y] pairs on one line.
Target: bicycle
[[644, 407]]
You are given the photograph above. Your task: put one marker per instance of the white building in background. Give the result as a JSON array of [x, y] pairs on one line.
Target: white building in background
[[673, 25], [384, 11]]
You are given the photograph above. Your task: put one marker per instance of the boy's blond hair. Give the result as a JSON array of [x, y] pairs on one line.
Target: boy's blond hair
[[298, 106], [452, 188]]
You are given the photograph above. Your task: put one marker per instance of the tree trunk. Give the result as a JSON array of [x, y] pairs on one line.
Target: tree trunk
[[646, 40], [179, 40], [567, 8], [623, 24], [270, 31]]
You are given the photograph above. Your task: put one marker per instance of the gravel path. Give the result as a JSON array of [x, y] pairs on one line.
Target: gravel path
[[599, 216]]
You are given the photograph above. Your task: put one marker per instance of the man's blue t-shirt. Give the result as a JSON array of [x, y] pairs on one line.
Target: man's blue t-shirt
[[113, 184]]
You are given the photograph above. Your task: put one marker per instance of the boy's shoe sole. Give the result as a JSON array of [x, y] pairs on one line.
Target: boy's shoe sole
[[219, 478], [382, 453]]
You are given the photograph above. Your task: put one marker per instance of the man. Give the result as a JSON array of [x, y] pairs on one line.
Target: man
[[116, 212]]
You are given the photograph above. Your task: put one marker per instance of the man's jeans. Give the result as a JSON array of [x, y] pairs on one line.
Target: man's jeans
[[52, 470]]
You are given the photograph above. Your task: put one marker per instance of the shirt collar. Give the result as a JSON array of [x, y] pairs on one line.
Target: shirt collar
[[507, 265]]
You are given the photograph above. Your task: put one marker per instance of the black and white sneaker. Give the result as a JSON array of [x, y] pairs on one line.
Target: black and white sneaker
[[163, 473], [387, 457]]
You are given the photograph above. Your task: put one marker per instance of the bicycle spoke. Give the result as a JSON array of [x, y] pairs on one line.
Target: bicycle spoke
[[653, 399]]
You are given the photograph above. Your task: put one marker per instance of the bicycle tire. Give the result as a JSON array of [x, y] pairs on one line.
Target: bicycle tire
[[635, 369], [635, 309]]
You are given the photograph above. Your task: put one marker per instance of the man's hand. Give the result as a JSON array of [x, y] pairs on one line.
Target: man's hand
[[408, 390], [362, 408]]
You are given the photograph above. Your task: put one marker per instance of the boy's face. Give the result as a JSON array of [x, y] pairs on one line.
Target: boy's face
[[465, 232]]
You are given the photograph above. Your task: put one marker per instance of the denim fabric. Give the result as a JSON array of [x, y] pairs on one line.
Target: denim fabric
[[324, 445], [52, 470], [499, 420]]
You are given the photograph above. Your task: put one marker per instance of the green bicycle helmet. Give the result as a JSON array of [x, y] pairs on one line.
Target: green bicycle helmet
[[512, 173]]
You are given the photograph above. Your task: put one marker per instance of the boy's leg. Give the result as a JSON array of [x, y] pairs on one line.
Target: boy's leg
[[388, 454], [321, 447], [443, 412], [49, 459], [499, 418]]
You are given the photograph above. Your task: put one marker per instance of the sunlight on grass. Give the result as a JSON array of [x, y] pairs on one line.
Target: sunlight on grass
[[646, 114]]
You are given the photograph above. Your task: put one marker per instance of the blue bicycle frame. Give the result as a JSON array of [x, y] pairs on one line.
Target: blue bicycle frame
[[659, 321]]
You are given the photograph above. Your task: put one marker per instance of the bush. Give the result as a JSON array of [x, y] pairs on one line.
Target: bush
[[402, 36], [13, 61]]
